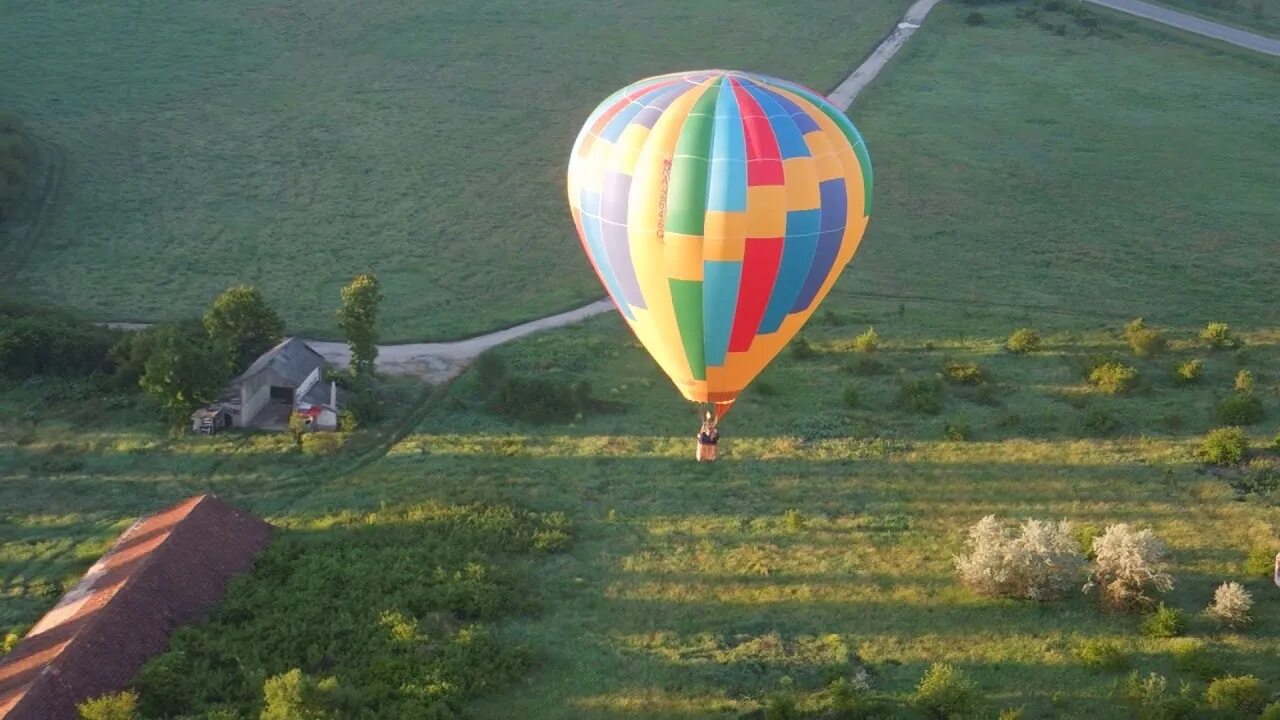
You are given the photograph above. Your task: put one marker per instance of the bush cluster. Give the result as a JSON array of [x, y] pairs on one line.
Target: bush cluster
[[964, 373], [868, 341], [945, 692], [1113, 378], [1218, 336], [1128, 566], [1231, 606], [1164, 622], [1224, 446], [1039, 560], [1188, 371], [1144, 341], [1022, 341]]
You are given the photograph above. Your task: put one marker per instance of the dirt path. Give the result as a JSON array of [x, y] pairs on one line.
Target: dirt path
[[1197, 25]]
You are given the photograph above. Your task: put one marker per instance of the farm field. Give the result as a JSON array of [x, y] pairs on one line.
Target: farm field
[[1010, 194], [1124, 176], [299, 144]]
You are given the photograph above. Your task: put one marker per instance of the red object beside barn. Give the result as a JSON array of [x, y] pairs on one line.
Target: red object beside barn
[[166, 570]]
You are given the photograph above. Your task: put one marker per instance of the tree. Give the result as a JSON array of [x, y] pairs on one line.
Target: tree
[[241, 320], [358, 318], [184, 368], [294, 696], [112, 706]]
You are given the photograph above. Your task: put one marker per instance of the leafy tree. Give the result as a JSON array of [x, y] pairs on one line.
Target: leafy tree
[[294, 696], [184, 368], [112, 706], [358, 318], [241, 320]]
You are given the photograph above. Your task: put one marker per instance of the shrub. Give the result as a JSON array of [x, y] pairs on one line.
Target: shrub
[[1143, 340], [1188, 372], [1244, 382], [1224, 446], [1258, 563], [849, 698], [852, 396], [1113, 378], [1218, 336], [1100, 654], [1272, 711], [1128, 565], [919, 395], [294, 696], [802, 350], [964, 373], [975, 18], [1039, 560], [1164, 622], [956, 430], [1239, 408], [1148, 698], [1231, 605], [112, 706], [1237, 694], [945, 692], [868, 341], [1022, 341], [9, 642]]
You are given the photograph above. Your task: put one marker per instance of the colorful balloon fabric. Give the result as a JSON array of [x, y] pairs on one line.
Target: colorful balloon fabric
[[718, 209]]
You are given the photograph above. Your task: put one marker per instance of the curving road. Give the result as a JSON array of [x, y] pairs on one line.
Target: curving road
[[1193, 24]]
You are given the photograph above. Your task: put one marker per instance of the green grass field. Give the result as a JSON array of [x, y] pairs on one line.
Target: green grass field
[[290, 147], [1066, 183]]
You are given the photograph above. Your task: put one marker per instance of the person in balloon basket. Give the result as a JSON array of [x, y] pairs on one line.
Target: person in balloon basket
[[708, 438]]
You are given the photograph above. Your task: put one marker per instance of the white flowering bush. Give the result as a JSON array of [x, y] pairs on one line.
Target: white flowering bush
[[1128, 565], [1038, 560], [1231, 605]]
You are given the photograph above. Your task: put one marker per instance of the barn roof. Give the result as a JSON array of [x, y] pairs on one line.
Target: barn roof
[[292, 359], [165, 570]]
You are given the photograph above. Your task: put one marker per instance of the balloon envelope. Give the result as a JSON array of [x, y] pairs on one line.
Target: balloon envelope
[[718, 209]]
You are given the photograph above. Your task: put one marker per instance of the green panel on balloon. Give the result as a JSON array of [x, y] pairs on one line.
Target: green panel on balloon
[[686, 296]]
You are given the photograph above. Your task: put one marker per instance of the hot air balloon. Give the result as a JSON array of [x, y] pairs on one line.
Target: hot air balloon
[[718, 208]]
